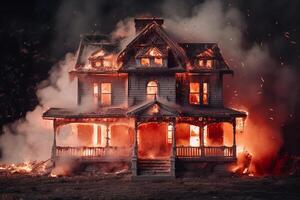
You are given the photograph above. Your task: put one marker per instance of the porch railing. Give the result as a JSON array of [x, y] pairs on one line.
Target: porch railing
[[93, 151], [222, 151]]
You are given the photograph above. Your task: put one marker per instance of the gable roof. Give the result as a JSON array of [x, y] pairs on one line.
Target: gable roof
[[178, 52], [205, 51], [145, 109]]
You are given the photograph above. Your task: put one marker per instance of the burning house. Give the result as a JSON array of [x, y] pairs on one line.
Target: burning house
[[157, 105]]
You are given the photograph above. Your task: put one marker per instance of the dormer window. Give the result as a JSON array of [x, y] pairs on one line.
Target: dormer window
[[205, 63], [205, 59], [99, 59], [151, 57]]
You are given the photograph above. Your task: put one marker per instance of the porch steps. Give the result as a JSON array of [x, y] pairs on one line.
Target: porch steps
[[154, 167]]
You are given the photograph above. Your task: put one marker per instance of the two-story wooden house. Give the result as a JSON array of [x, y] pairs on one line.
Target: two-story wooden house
[[158, 104]]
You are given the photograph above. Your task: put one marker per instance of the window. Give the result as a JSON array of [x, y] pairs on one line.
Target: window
[[99, 59], [95, 93], [152, 57], [205, 63], [169, 134], [145, 62], [194, 93], [205, 94], [194, 136], [152, 89], [105, 94], [158, 61]]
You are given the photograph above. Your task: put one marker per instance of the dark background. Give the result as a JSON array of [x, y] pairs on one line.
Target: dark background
[[34, 35]]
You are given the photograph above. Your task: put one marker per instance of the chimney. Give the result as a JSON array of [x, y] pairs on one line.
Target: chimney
[[140, 23]]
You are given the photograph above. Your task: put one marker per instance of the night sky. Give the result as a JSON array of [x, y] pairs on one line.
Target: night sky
[[34, 35]]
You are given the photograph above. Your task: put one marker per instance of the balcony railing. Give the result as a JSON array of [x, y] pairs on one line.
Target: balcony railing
[[93, 151], [194, 152]]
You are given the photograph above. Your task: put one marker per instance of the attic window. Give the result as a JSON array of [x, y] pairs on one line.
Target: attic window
[[99, 59], [205, 63], [151, 57], [145, 62]]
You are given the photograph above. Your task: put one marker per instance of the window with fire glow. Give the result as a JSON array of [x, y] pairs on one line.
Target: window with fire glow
[[105, 99], [169, 134], [194, 93], [199, 95], [205, 63], [194, 136], [152, 89], [152, 58]]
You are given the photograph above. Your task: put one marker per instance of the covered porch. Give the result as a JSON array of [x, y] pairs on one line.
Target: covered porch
[[91, 137]]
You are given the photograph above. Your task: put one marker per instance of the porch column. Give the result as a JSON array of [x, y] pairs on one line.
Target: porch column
[[202, 142], [134, 151], [107, 136], [53, 153], [234, 140], [173, 150]]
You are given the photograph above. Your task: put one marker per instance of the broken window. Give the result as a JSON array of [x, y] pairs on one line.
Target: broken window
[[194, 136], [194, 93], [152, 89], [105, 94]]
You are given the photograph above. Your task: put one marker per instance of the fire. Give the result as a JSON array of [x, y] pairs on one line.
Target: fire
[[29, 168]]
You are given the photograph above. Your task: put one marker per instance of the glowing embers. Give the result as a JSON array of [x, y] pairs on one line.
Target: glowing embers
[[152, 89], [194, 93], [194, 136]]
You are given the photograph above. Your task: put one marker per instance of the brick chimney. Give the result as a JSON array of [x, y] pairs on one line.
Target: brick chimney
[[140, 23]]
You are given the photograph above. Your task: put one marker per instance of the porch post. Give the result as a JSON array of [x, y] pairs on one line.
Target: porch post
[[134, 151], [234, 139], [202, 142], [107, 136], [53, 153], [173, 150]]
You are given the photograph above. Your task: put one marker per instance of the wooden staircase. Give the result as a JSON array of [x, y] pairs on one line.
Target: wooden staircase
[[160, 167]]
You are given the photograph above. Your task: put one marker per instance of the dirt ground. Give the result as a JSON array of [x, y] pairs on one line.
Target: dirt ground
[[122, 187]]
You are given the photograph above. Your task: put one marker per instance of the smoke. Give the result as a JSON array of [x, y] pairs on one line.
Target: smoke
[[31, 138], [260, 86]]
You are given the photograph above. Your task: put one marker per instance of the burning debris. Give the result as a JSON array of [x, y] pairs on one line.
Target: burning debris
[[31, 168]]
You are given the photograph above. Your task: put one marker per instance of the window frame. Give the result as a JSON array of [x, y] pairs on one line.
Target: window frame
[[102, 94], [151, 96], [201, 93]]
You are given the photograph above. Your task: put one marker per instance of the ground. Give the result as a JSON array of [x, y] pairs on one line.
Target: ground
[[122, 187]]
